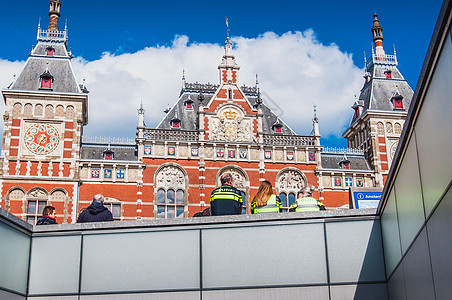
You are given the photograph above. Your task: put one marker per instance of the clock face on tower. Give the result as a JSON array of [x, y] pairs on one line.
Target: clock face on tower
[[41, 138]]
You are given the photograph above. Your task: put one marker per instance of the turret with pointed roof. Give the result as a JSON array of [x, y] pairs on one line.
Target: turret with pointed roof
[[382, 106]]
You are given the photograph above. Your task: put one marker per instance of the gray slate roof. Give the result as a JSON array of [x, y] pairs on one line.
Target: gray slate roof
[[189, 118], [357, 161], [377, 93], [121, 152], [59, 65]]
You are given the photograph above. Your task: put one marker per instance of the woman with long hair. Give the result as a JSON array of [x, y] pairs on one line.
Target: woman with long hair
[[265, 201]]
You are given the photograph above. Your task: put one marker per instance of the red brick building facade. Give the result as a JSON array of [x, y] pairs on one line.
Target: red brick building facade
[[168, 171]]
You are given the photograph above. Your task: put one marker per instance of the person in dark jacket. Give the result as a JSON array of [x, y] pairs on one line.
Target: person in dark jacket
[[226, 200], [96, 212], [48, 216]]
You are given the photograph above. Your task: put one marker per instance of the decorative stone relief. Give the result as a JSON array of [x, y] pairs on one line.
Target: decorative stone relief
[[291, 180], [182, 151], [84, 173], [279, 155], [133, 174], [229, 125], [37, 193], [301, 156], [159, 150], [208, 152], [254, 154], [170, 177], [238, 179], [326, 181], [368, 182]]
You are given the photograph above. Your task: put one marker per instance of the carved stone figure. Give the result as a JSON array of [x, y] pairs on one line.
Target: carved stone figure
[[36, 193], [291, 180], [170, 177], [238, 179]]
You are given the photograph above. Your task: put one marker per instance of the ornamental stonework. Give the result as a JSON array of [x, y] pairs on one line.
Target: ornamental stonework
[[37, 193], [254, 154], [238, 178], [170, 177], [301, 156], [208, 152], [326, 181], [183, 151], [133, 174], [291, 180], [159, 150], [229, 125], [279, 155]]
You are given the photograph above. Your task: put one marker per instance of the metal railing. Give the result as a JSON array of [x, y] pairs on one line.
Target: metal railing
[[107, 140], [337, 150], [171, 135], [46, 35], [289, 140], [388, 59]]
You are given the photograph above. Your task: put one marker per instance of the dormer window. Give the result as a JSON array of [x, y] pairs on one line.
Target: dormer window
[[46, 79], [175, 124], [188, 104], [345, 163], [50, 51], [388, 74], [277, 126], [398, 103], [109, 154]]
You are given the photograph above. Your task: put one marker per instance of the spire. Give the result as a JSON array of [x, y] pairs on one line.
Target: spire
[[54, 14], [228, 67], [377, 32], [315, 123], [141, 115]]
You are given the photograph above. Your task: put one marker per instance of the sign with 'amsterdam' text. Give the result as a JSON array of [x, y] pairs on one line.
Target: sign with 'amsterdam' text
[[365, 197]]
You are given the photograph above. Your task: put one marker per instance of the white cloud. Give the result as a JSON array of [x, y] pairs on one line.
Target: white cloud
[[295, 71]]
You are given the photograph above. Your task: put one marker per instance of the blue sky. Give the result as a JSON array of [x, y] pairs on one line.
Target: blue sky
[[122, 27]]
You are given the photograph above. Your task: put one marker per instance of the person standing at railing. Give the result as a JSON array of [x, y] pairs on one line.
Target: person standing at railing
[[96, 212], [226, 200], [265, 201], [306, 202], [48, 216]]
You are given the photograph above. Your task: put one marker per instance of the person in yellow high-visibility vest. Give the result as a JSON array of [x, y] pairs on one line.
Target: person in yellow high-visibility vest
[[306, 202], [265, 201]]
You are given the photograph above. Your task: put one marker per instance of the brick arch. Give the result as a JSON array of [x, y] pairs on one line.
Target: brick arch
[[236, 172], [10, 197]]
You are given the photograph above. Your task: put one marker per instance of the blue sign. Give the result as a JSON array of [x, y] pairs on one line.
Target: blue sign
[[366, 199]]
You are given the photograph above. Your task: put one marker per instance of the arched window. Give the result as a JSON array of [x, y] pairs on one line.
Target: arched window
[[59, 111], [388, 127], [397, 128], [15, 195], [70, 112], [170, 204], [17, 110], [38, 110], [380, 128], [28, 110], [170, 200], [114, 206], [49, 111], [36, 201], [289, 182]]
